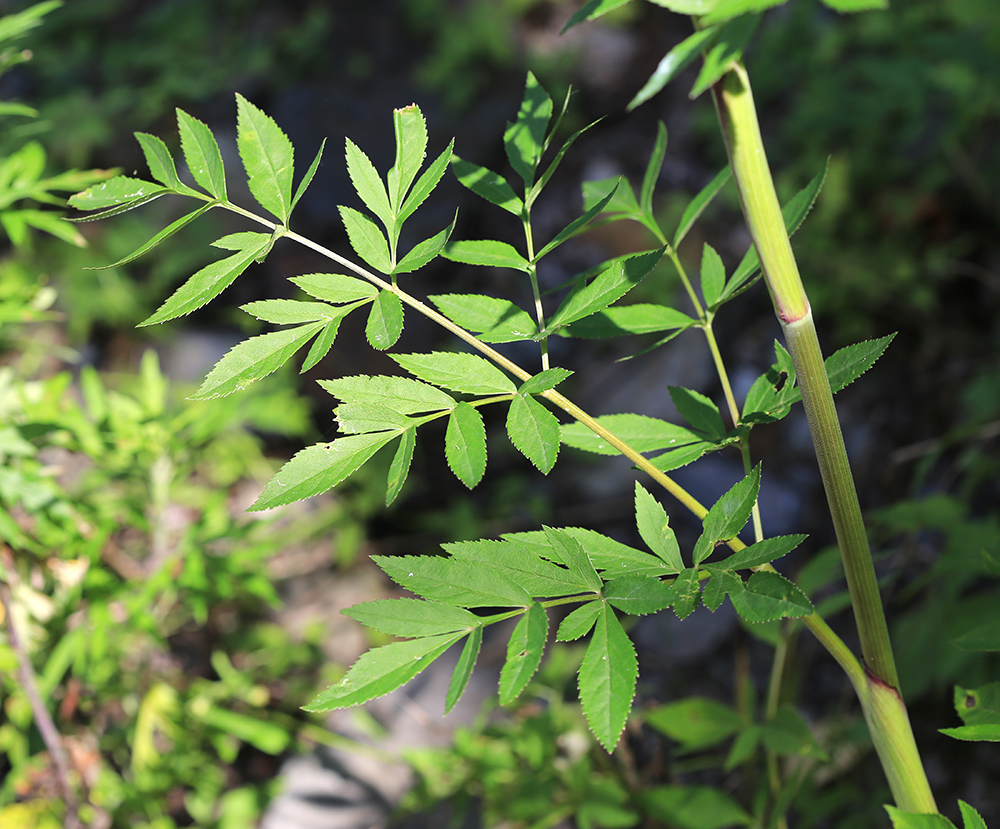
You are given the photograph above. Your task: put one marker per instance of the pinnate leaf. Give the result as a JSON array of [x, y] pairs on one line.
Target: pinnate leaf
[[385, 320], [728, 515], [465, 444], [202, 154], [213, 279], [382, 670], [534, 431], [608, 675], [267, 157], [412, 618], [319, 467], [461, 372], [524, 652]]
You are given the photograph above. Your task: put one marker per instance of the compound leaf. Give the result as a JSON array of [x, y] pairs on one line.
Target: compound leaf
[[608, 675], [524, 653]]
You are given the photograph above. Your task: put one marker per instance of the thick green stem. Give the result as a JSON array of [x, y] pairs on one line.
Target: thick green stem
[[878, 690]]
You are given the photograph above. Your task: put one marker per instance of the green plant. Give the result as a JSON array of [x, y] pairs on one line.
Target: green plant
[[524, 575]]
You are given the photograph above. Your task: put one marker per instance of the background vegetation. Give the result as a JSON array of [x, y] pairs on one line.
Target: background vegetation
[[174, 638]]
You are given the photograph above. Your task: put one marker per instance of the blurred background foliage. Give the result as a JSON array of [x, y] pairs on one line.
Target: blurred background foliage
[[155, 611]]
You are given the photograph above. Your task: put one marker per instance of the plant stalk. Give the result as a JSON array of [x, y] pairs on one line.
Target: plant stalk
[[879, 692]]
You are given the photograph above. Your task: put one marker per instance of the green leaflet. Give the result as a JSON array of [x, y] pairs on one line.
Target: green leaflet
[[606, 554], [524, 653], [367, 183], [213, 279], [166, 233], [334, 287], [412, 618], [698, 204], [267, 157], [486, 252], [769, 596], [496, 320], [544, 380], [465, 444], [524, 564], [731, 39], [400, 393], [399, 469], [592, 10], [713, 277], [487, 185], [362, 418], [120, 190], [161, 163], [579, 623], [645, 434], [653, 168], [700, 412], [201, 151], [425, 184], [575, 226], [524, 139], [762, 552], [290, 311], [569, 552], [638, 595], [461, 372], [319, 467], [695, 722], [654, 528], [463, 669], [381, 670], [673, 63], [607, 679], [367, 240], [411, 145], [385, 321], [607, 287], [253, 359], [694, 807], [534, 431], [454, 581], [423, 252], [728, 515]]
